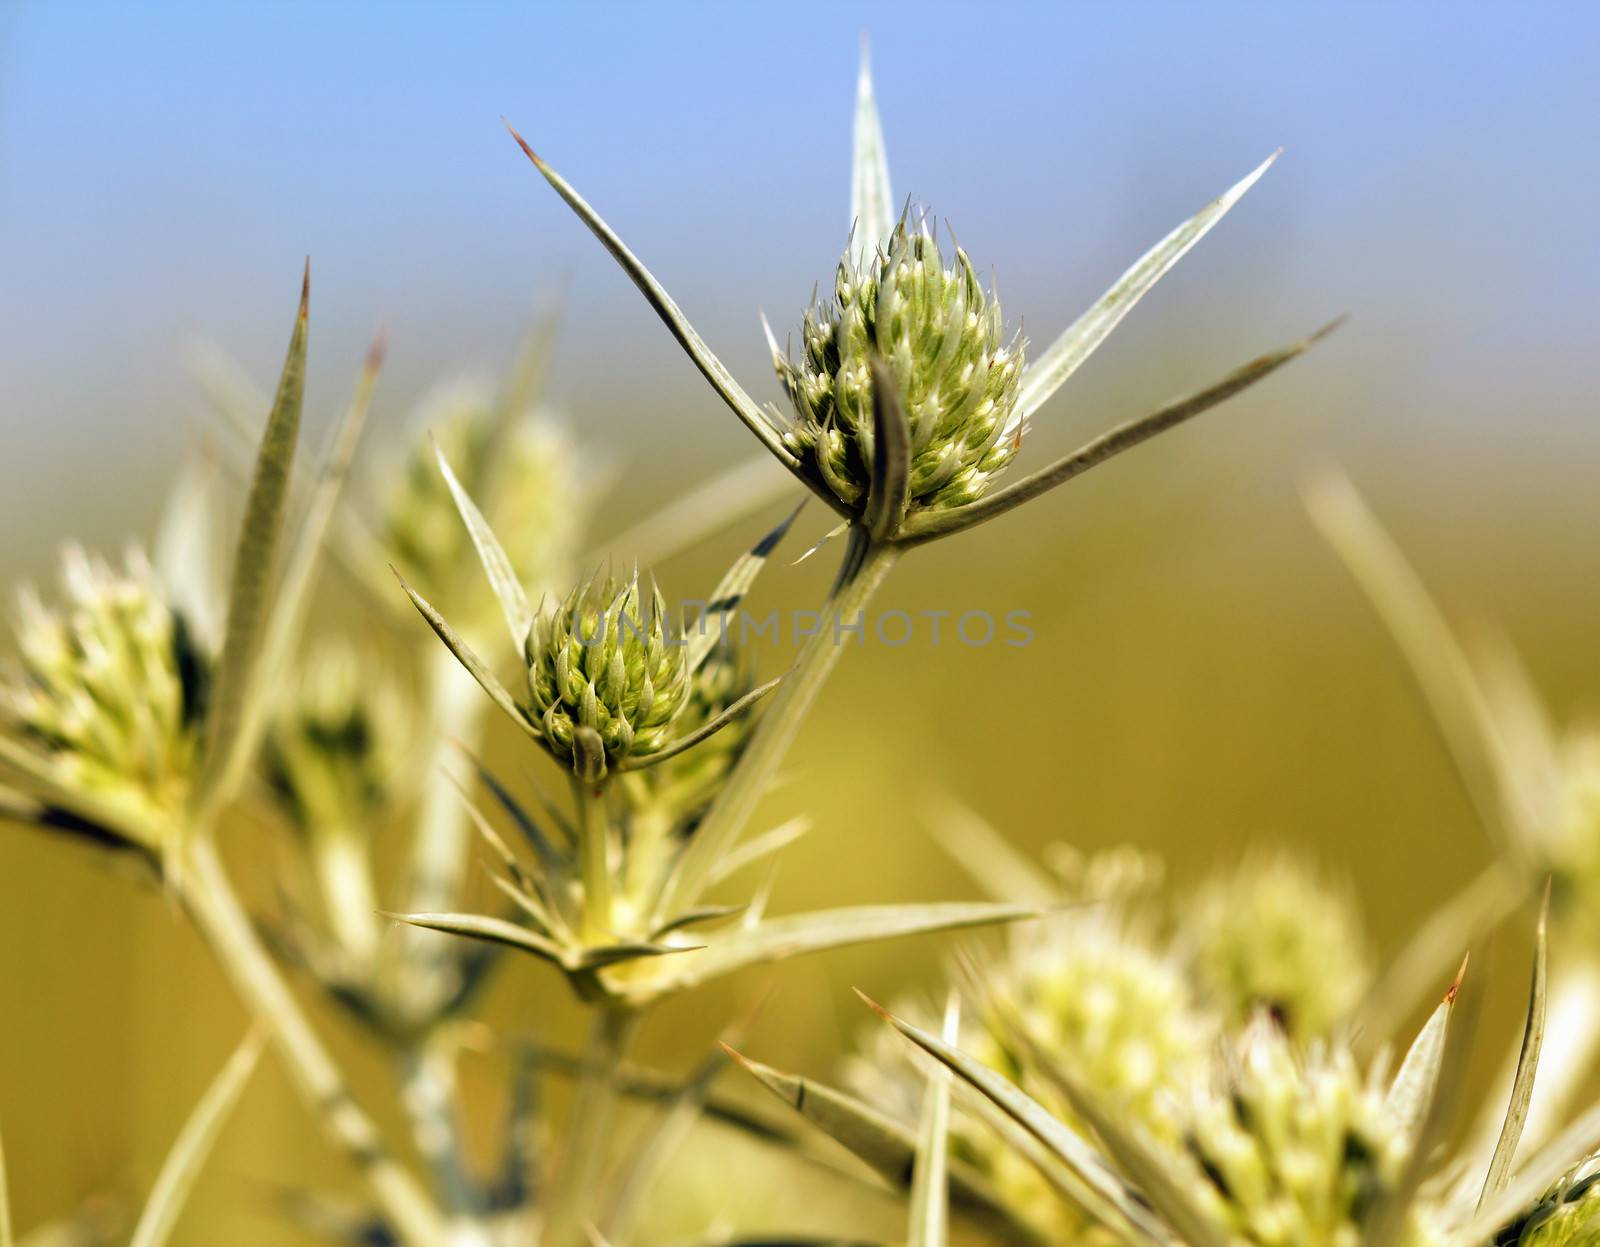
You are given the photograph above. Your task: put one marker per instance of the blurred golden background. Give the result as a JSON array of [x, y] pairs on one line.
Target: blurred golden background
[[1203, 675]]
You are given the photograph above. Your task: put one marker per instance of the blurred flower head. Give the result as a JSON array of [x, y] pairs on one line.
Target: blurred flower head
[[1295, 1147], [1270, 934], [335, 747], [109, 693], [524, 474]]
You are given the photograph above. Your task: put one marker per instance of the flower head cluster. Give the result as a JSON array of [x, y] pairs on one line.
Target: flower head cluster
[[111, 690], [943, 341], [1272, 935], [602, 668], [1295, 1150], [525, 475], [336, 745]]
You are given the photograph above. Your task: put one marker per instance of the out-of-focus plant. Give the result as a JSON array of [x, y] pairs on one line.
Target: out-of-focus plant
[[1532, 784]]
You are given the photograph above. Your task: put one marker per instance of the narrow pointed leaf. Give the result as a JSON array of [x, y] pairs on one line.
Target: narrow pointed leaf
[[254, 568], [1417, 1078], [759, 847], [1101, 1192], [722, 381], [777, 939], [731, 590], [927, 525], [702, 512], [1151, 1173], [478, 669], [496, 565], [492, 930], [929, 1224], [1547, 1167], [193, 1146], [709, 728], [1505, 1148], [1067, 353], [291, 602], [988, 857], [891, 457], [871, 200]]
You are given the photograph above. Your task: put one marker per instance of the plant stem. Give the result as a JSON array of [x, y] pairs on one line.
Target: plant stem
[[344, 873], [589, 1122], [867, 563], [210, 899], [594, 857]]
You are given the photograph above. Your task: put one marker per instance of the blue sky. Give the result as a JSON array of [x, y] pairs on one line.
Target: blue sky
[[165, 167]]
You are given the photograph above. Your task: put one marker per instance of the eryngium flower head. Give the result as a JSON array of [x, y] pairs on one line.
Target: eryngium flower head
[[525, 477], [1296, 1150], [337, 743], [1567, 1216], [603, 661], [111, 689], [942, 338], [1272, 935]]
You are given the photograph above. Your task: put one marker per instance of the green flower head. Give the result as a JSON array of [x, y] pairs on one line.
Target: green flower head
[[602, 668], [943, 341], [109, 693], [1567, 1216]]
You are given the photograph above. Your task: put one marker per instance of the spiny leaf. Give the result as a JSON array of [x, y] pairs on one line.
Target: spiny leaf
[[478, 669], [496, 564], [779, 938], [1095, 1186], [929, 1185], [926, 525], [287, 613], [1151, 1173], [731, 590], [710, 366], [254, 566], [193, 1146], [989, 858], [493, 930], [891, 457], [871, 200], [1505, 1148], [1067, 353], [707, 729], [1415, 1082], [758, 847], [700, 513]]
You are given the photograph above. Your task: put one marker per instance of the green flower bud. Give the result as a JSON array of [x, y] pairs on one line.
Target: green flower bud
[[1272, 935], [525, 478], [942, 338], [602, 663], [1567, 1216], [1296, 1152], [111, 690], [337, 744]]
